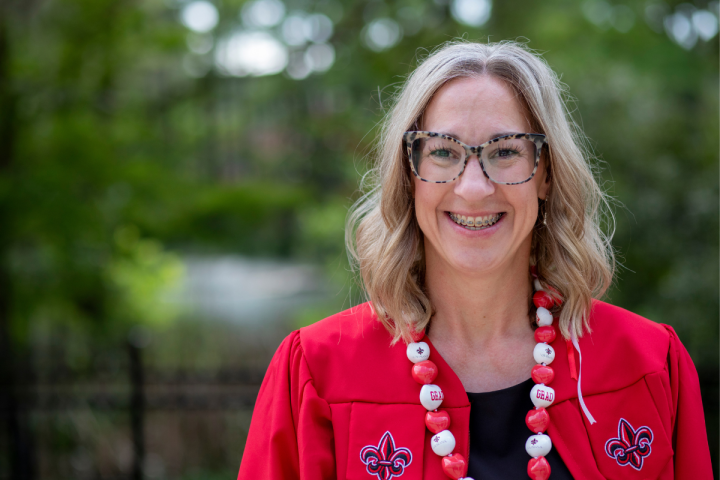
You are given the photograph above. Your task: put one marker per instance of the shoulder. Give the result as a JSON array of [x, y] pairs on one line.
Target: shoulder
[[629, 333], [345, 351], [623, 347], [354, 323], [345, 336]]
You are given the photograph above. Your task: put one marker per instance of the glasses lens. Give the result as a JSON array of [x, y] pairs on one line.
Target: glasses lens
[[437, 159], [509, 160]]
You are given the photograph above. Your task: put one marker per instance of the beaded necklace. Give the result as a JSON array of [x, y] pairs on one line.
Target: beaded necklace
[[424, 371]]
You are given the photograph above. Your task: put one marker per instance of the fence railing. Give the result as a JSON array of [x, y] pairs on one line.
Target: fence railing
[[135, 390]]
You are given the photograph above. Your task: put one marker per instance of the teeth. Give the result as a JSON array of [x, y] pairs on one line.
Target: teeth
[[475, 223]]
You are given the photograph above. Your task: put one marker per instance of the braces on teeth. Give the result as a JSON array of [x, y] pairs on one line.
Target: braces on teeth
[[475, 223]]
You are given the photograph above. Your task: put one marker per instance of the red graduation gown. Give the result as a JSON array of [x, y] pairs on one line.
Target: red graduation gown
[[337, 386]]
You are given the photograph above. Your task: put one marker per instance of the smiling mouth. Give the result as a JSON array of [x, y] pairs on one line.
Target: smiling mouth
[[476, 223]]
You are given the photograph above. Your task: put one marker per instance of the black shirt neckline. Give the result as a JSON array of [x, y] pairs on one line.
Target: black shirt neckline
[[498, 434]]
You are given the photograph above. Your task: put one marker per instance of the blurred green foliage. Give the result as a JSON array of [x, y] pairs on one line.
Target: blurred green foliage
[[140, 275], [107, 130], [115, 156]]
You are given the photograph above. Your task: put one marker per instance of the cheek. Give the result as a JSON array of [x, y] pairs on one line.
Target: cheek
[[530, 210], [525, 205], [426, 203]]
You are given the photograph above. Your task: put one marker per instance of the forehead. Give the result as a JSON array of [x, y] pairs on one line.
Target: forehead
[[476, 109]]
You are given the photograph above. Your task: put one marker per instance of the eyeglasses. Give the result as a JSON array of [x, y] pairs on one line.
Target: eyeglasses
[[508, 160]]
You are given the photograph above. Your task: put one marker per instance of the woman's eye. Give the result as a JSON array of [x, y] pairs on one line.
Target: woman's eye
[[441, 153], [507, 153]]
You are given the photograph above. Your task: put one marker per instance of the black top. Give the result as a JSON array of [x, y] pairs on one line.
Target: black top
[[498, 434]]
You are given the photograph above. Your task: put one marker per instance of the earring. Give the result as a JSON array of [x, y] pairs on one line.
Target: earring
[[543, 209]]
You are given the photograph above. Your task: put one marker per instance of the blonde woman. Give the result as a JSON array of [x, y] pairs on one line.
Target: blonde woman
[[482, 351]]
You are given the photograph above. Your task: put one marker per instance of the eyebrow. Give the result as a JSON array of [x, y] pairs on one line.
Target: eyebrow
[[494, 135]]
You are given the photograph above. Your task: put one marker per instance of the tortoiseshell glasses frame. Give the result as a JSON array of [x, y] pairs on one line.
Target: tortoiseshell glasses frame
[[537, 138]]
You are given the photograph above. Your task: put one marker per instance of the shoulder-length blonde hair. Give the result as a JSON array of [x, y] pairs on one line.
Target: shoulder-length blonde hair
[[385, 243]]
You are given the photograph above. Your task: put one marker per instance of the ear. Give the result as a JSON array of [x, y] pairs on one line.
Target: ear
[[408, 172], [545, 177]]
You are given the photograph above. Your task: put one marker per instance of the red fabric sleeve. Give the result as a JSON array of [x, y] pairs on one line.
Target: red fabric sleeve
[[692, 453], [291, 435]]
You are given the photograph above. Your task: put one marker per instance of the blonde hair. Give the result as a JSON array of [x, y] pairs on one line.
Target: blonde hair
[[384, 241]]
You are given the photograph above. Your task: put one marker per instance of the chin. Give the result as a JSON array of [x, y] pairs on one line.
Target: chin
[[472, 263]]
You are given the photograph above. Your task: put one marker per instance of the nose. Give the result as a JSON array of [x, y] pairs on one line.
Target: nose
[[473, 184]]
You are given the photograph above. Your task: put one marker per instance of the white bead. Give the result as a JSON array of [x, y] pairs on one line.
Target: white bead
[[538, 445], [418, 352], [443, 443], [537, 285], [431, 396], [544, 353], [543, 317], [542, 395]]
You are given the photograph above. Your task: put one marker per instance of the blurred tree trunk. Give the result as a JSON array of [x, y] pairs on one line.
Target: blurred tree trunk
[[17, 423]]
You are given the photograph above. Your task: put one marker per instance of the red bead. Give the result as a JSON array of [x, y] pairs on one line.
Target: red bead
[[437, 421], [545, 334], [424, 372], [543, 299], [557, 297], [454, 466], [534, 271], [542, 374], [538, 468], [537, 420], [417, 336]]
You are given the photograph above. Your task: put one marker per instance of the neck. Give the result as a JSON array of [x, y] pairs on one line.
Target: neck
[[478, 309]]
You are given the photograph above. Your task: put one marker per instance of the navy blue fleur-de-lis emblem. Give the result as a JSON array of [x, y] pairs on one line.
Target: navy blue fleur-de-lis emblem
[[385, 460], [631, 446]]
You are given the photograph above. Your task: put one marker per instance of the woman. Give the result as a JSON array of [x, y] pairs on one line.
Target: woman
[[481, 252]]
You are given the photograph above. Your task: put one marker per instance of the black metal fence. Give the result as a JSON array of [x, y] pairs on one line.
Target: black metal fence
[[133, 392]]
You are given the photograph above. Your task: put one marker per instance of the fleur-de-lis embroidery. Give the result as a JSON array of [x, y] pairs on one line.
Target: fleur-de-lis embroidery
[[631, 446], [534, 441], [385, 460], [547, 350], [420, 350]]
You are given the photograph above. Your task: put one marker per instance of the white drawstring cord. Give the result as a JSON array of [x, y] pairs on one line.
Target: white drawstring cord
[[580, 398]]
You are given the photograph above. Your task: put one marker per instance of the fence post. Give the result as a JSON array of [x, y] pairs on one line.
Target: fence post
[[137, 409]]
